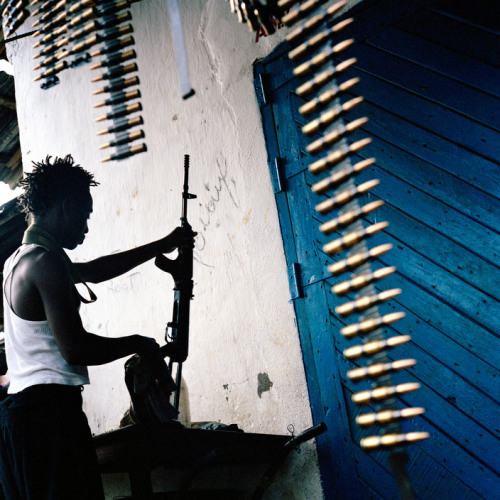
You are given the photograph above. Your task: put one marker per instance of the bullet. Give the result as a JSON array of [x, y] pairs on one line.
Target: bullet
[[51, 47], [340, 176], [43, 8], [120, 111], [52, 70], [113, 33], [313, 22], [118, 84], [50, 36], [328, 117], [82, 4], [352, 238], [345, 196], [365, 302], [59, 19], [115, 59], [390, 440], [316, 41], [119, 97], [375, 346], [371, 324], [362, 280], [388, 416], [327, 97], [59, 6], [85, 44], [346, 218], [114, 46], [335, 135], [124, 139], [129, 151], [324, 77], [358, 259], [337, 156], [116, 71], [122, 124], [322, 58], [384, 392], [48, 61], [379, 369], [111, 7], [12, 10], [84, 16], [300, 12]]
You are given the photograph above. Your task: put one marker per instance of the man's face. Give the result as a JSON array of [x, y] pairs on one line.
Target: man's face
[[79, 214]]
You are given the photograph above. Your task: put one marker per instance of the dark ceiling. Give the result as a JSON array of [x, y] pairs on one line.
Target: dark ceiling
[[10, 150]]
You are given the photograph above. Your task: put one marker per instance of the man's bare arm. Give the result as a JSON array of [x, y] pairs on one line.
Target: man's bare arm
[[110, 266], [51, 278]]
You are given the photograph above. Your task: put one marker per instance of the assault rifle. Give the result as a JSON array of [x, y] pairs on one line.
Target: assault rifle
[[181, 270]]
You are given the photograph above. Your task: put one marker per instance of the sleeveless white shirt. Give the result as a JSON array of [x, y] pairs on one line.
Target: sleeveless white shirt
[[33, 356]]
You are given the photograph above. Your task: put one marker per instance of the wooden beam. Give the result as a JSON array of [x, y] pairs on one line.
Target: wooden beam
[[6, 102]]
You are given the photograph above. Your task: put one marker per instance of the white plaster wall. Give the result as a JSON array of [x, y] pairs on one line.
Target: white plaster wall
[[242, 321]]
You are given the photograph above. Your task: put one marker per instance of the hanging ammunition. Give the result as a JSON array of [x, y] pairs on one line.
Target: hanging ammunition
[[365, 302], [300, 12], [116, 71], [340, 176], [123, 138], [370, 324], [317, 40], [383, 392], [120, 111], [338, 155], [344, 219], [122, 124], [354, 261], [327, 97], [352, 238], [344, 197], [322, 58], [118, 98], [313, 22], [118, 84], [328, 117], [125, 153], [324, 77], [115, 59], [375, 346], [362, 280], [387, 416], [52, 70], [390, 440], [114, 46], [379, 369]]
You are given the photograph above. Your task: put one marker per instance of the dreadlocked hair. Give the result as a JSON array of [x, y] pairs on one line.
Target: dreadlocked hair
[[52, 181]]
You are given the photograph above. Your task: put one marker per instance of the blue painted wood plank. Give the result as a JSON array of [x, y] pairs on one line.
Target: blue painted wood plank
[[447, 156], [431, 86], [451, 431], [443, 122], [455, 35], [440, 59], [339, 469]]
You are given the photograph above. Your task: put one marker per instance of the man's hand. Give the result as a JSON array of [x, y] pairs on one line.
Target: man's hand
[[179, 237]]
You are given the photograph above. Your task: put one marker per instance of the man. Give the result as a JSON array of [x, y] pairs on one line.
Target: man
[[46, 449]]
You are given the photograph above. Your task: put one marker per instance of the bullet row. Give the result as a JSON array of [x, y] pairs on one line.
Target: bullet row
[[320, 65]]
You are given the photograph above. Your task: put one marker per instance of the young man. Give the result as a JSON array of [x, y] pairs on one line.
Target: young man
[[46, 449]]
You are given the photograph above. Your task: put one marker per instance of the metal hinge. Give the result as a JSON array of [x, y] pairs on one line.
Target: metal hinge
[[260, 90], [295, 282], [279, 181]]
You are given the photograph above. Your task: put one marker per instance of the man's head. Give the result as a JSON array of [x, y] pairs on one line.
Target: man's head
[[59, 189]]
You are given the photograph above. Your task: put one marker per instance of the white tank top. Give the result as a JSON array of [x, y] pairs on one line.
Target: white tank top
[[33, 356]]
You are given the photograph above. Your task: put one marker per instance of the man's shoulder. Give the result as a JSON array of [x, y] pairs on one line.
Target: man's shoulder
[[40, 262]]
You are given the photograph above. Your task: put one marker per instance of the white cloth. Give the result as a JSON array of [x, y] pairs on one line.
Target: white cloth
[[33, 356]]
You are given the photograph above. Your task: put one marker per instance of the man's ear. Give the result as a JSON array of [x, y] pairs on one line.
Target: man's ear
[[67, 207]]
